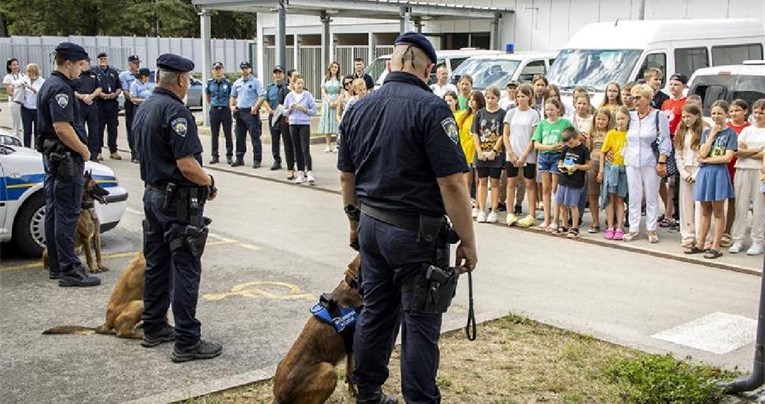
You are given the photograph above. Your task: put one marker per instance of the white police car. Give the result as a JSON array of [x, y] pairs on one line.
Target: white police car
[[22, 203]]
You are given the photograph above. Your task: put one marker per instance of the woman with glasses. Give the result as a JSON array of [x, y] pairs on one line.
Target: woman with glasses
[[644, 169], [330, 91], [14, 87], [346, 93]]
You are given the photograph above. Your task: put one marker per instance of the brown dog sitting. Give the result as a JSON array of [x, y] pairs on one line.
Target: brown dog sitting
[[125, 305], [307, 374], [88, 234]]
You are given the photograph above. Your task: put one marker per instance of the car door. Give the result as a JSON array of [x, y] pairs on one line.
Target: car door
[[3, 198]]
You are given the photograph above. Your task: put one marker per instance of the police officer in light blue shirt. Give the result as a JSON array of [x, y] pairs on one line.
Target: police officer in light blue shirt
[[218, 93], [140, 88], [274, 97], [245, 104], [127, 78]]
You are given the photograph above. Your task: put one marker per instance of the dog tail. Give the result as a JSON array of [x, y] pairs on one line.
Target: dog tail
[[70, 329]]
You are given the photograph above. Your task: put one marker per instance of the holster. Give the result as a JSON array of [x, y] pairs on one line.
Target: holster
[[186, 201], [61, 159], [432, 289]]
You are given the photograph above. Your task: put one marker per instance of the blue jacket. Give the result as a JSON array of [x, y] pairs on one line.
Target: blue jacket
[[299, 117]]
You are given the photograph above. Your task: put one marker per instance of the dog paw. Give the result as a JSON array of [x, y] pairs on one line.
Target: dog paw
[[98, 270]]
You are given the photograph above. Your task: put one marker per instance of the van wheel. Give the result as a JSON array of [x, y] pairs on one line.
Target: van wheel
[[29, 226]]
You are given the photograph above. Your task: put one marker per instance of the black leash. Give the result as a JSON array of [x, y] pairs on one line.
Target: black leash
[[470, 328]]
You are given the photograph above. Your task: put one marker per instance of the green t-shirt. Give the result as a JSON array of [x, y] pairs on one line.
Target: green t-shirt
[[463, 102], [550, 133]]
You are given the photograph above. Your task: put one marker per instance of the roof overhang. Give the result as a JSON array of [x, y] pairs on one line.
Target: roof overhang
[[372, 9]]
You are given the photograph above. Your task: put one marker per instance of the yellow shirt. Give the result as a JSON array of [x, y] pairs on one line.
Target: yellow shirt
[[466, 139], [615, 142]]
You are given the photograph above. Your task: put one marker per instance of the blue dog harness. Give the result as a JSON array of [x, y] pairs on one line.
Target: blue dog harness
[[342, 319]]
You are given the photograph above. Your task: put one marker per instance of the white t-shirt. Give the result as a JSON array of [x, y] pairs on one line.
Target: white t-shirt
[[441, 91], [30, 97], [506, 104], [15, 80], [754, 138], [522, 125]]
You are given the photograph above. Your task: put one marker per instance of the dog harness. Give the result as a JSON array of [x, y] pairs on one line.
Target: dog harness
[[342, 319]]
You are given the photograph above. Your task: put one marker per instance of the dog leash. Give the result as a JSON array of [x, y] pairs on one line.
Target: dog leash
[[470, 328]]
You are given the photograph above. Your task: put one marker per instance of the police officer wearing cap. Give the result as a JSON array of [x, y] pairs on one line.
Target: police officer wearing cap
[[140, 91], [218, 92], [108, 107], [279, 126], [175, 230], [245, 105], [127, 78], [401, 171], [64, 153], [86, 90]]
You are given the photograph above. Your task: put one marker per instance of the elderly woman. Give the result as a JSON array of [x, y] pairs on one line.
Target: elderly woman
[[32, 84], [644, 169]]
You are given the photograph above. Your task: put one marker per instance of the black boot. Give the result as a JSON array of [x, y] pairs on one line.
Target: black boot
[[78, 277], [375, 396]]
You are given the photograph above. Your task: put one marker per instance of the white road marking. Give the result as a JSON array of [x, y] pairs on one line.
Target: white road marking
[[717, 332]]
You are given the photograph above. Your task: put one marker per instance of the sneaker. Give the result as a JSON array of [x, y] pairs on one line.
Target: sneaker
[[475, 213], [653, 238], [472, 202], [540, 215], [300, 178], [328, 149], [202, 350], [511, 219], [54, 274], [619, 235], [609, 234], [517, 210], [755, 249], [736, 248], [100, 157], [526, 222], [492, 218], [276, 166], [115, 156], [501, 207], [311, 180], [166, 335], [229, 161], [78, 277], [674, 227], [481, 217]]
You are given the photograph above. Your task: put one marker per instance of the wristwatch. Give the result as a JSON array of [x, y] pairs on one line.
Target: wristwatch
[[352, 211]]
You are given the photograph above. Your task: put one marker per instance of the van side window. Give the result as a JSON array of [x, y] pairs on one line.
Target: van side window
[[531, 69], [709, 94], [735, 54], [657, 60], [687, 60], [749, 88]]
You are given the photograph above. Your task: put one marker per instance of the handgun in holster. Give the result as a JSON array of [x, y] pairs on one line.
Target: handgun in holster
[[61, 158], [186, 201]]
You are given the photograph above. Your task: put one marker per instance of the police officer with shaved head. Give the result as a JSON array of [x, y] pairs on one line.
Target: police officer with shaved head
[[175, 230], [401, 171], [65, 151]]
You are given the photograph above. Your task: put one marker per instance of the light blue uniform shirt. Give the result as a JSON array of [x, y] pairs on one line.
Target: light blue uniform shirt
[[127, 79], [247, 91], [141, 90]]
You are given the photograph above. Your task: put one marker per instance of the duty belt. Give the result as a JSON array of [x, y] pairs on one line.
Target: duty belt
[[406, 222]]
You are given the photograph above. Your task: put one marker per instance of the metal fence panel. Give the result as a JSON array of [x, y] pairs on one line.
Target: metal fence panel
[[344, 54], [382, 50], [311, 66]]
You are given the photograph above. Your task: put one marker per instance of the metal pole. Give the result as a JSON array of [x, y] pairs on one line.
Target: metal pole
[[326, 38], [205, 30], [641, 10], [281, 37], [406, 19], [756, 379]]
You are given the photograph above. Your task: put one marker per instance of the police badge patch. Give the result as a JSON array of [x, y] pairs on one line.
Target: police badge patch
[[450, 127], [180, 126], [62, 100]]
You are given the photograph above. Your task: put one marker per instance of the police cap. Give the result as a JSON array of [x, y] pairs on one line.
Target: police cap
[[418, 41], [102, 55], [71, 51], [134, 59], [245, 64], [144, 72], [217, 65], [173, 63], [278, 68]]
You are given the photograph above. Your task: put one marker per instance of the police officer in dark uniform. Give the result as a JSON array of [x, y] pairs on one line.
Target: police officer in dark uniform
[[64, 154], [108, 106], [401, 171], [218, 92], [175, 230], [87, 89], [275, 94]]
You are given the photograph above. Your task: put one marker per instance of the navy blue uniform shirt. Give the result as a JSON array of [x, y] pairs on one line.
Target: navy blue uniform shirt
[[56, 103], [109, 79], [86, 83], [276, 93], [398, 140], [165, 131], [219, 92]]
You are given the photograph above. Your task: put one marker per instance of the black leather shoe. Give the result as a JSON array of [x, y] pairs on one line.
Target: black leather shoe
[[202, 350], [276, 166], [375, 397], [78, 277], [54, 275], [237, 163], [214, 160], [256, 164], [166, 335], [228, 160]]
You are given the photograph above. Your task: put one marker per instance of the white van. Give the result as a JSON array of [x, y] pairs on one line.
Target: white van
[[449, 58], [498, 70], [622, 50], [745, 81]]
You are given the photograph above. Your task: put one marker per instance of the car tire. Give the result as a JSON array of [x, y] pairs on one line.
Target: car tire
[[29, 226]]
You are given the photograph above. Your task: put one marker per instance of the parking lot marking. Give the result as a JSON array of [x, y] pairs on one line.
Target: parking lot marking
[[719, 333], [265, 289], [38, 264]]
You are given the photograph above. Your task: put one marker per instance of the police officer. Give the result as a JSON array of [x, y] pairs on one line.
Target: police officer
[[401, 171], [218, 92], [64, 154], [87, 90], [174, 229], [127, 78], [245, 105], [140, 91], [274, 97], [108, 107]]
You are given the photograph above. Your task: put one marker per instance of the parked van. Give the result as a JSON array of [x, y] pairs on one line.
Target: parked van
[[449, 58], [622, 50], [745, 81], [498, 70]]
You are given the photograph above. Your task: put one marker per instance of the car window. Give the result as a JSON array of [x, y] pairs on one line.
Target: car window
[[657, 60], [749, 88], [532, 69], [735, 54], [711, 88], [487, 72], [688, 60], [456, 62]]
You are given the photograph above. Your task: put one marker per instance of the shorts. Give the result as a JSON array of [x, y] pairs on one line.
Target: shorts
[[493, 172], [529, 171], [593, 186], [548, 163], [568, 196]]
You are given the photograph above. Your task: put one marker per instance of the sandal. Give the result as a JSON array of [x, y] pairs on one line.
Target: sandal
[[653, 238], [594, 230], [609, 234], [619, 235], [573, 232], [726, 240], [631, 236], [665, 222], [561, 230], [712, 254], [693, 250]]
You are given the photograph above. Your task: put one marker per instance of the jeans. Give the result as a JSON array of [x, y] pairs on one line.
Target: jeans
[[29, 121]]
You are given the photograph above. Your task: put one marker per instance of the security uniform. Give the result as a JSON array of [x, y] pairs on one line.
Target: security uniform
[[127, 78], [247, 90], [220, 114], [64, 170], [397, 141], [108, 110], [275, 94], [87, 83], [166, 131]]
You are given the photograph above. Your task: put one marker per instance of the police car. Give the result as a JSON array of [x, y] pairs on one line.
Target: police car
[[22, 203]]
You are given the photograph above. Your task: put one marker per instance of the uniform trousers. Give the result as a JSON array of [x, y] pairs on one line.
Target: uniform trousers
[[643, 181], [279, 132], [171, 275], [245, 121], [129, 113], [89, 119], [108, 110], [221, 116], [690, 210], [746, 184], [63, 200], [390, 255]]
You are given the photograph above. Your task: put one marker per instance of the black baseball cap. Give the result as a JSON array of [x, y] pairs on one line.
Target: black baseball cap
[[144, 72], [279, 68], [679, 77], [102, 55], [245, 64], [134, 59]]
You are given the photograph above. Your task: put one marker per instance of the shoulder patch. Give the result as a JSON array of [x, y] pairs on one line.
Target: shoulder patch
[[62, 100], [450, 127], [180, 126]]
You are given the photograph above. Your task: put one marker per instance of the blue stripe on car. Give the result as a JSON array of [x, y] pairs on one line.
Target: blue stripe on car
[[11, 188]]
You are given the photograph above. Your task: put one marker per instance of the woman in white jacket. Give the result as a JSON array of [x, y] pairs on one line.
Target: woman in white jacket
[[687, 144]]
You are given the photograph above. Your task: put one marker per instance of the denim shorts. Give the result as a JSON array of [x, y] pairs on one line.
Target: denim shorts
[[548, 162]]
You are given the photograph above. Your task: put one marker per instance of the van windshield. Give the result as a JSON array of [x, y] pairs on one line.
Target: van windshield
[[592, 68], [487, 72], [377, 69]]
